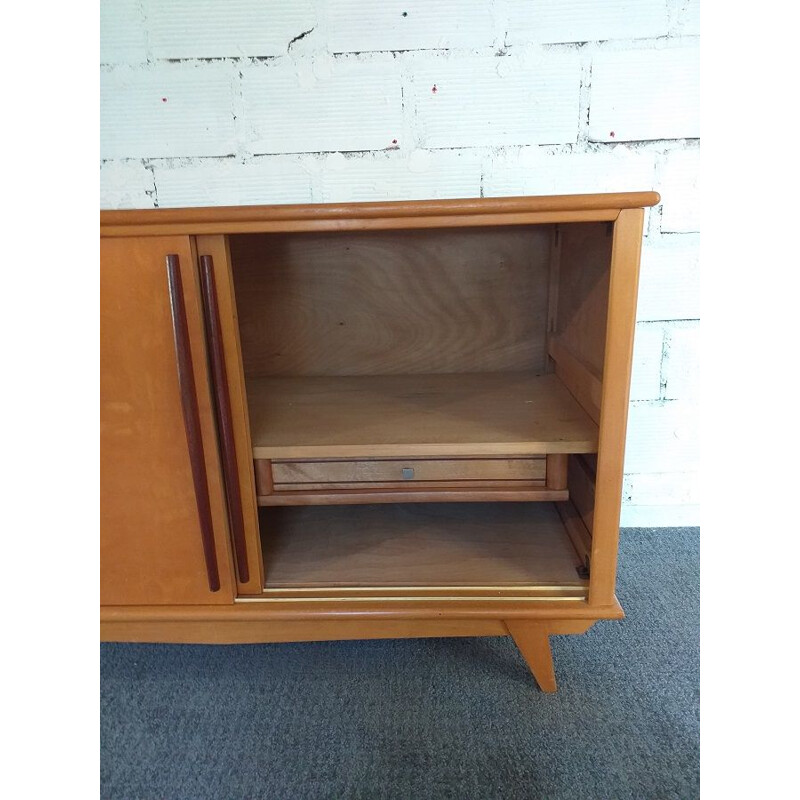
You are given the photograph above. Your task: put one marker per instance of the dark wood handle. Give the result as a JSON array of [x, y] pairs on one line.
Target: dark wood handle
[[191, 417], [224, 416]]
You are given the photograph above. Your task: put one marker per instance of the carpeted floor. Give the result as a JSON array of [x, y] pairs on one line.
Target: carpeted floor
[[423, 718]]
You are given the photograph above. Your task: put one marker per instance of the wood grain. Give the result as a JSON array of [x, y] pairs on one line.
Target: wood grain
[[417, 545], [614, 409], [359, 216], [423, 469], [583, 384], [583, 287], [582, 490], [439, 494], [533, 641], [217, 248], [150, 538], [392, 303], [506, 414], [557, 471]]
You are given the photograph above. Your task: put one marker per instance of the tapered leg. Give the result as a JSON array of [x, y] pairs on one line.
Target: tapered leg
[[534, 643]]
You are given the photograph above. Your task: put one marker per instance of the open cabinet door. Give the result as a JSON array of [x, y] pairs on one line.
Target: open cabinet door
[[163, 529]]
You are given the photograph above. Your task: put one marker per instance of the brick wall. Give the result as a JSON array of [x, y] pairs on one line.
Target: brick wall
[[205, 102]]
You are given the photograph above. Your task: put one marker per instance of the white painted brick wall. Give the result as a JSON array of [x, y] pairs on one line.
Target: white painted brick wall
[[334, 105], [418, 175], [122, 32], [234, 28], [489, 102], [585, 20], [669, 278], [167, 110], [680, 192], [228, 182], [358, 27], [205, 102], [645, 94]]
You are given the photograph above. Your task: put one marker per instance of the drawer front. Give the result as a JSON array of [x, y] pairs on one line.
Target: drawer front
[[305, 475]]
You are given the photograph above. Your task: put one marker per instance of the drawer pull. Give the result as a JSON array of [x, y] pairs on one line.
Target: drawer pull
[[408, 473], [191, 417], [224, 415]]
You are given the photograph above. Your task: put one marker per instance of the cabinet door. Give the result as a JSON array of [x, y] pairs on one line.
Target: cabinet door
[[163, 528]]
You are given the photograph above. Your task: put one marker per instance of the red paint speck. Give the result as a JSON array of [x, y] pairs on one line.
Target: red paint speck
[[434, 90], [612, 134], [394, 141], [163, 99]]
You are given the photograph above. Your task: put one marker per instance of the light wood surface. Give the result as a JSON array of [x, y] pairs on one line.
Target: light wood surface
[[217, 248], [340, 607], [532, 639], [584, 270], [392, 303], [393, 470], [150, 539], [582, 489], [258, 631], [417, 545], [479, 414], [360, 216], [583, 384], [577, 531], [437, 494], [614, 410], [557, 471]]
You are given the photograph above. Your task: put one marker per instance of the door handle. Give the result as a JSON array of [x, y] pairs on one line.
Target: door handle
[[224, 415], [191, 417]]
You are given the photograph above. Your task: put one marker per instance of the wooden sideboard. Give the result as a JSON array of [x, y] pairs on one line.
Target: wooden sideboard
[[366, 420]]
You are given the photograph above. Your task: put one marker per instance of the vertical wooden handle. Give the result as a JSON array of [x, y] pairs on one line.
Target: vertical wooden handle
[[191, 417], [224, 415]]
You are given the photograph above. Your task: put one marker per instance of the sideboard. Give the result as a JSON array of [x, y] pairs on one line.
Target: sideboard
[[397, 419]]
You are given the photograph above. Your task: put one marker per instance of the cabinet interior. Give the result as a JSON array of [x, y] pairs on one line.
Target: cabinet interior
[[394, 378]]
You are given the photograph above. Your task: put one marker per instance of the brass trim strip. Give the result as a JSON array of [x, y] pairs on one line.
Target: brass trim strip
[[401, 599]]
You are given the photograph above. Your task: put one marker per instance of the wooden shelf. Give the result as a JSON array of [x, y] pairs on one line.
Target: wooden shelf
[[495, 545], [419, 415]]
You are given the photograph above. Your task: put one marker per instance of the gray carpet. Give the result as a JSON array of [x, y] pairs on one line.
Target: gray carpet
[[423, 718]]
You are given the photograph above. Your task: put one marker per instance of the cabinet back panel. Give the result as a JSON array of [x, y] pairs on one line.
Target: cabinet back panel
[[382, 303], [584, 276]]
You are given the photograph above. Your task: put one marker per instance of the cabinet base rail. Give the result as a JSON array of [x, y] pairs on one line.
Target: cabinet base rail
[[251, 623]]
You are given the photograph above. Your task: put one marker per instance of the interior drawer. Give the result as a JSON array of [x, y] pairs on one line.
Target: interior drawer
[[391, 473]]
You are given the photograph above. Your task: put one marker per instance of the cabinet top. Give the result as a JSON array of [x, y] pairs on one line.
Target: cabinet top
[[375, 215]]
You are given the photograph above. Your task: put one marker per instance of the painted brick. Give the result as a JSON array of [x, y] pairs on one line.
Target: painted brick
[[685, 18], [584, 20], [172, 110], [226, 182], [669, 278], [645, 94], [661, 488], [662, 437], [681, 369], [125, 184], [648, 347], [680, 191], [490, 101], [422, 174], [356, 26], [531, 170], [122, 32], [344, 105], [213, 29]]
